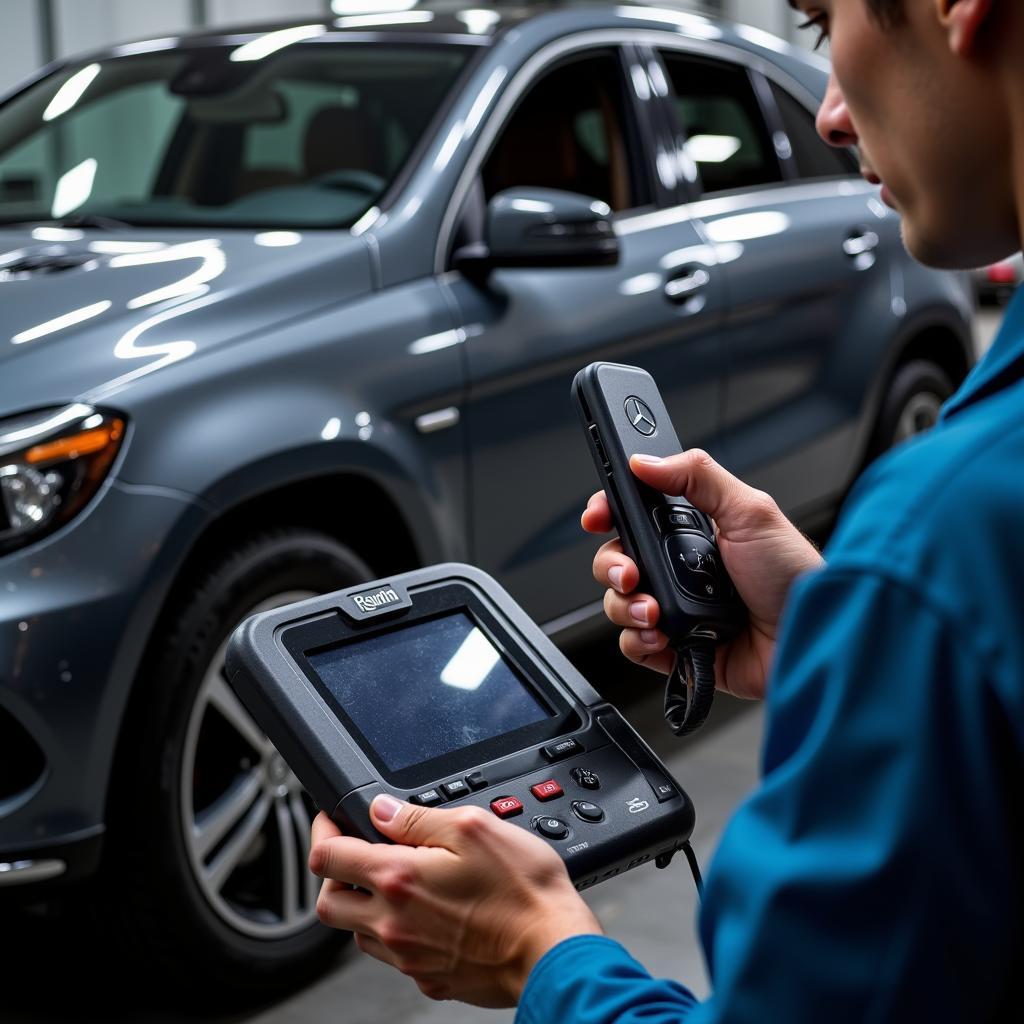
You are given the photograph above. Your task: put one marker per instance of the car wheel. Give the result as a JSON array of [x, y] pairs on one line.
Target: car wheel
[[911, 405], [210, 835]]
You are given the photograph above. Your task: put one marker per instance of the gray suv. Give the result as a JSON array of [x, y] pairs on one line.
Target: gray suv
[[288, 307]]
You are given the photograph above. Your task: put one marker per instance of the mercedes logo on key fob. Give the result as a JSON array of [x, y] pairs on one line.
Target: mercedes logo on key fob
[[640, 416]]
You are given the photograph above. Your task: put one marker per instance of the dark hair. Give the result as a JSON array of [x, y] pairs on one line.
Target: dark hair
[[888, 12]]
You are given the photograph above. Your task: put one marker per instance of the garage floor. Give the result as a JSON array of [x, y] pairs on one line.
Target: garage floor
[[54, 971]]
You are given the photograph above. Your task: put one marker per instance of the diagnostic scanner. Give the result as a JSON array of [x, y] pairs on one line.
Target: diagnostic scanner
[[435, 687]]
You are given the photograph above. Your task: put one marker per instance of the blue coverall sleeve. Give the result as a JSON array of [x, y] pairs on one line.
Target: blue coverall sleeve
[[867, 878]]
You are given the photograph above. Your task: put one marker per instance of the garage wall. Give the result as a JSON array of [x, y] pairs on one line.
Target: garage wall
[[32, 32]]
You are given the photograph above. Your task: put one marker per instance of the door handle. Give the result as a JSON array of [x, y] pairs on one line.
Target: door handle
[[682, 286], [860, 242]]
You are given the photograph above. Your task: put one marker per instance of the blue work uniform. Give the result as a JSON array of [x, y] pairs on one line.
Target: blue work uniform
[[876, 872]]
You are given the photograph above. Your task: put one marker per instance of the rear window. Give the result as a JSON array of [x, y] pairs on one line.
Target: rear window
[[720, 118], [814, 157]]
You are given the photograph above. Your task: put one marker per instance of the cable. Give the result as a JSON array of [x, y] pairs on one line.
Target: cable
[[691, 858], [690, 688]]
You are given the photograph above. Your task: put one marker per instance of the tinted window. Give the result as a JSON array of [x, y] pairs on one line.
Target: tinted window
[[311, 136], [814, 157], [571, 132], [720, 119]]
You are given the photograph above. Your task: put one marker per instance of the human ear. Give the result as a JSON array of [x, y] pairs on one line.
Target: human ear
[[964, 21]]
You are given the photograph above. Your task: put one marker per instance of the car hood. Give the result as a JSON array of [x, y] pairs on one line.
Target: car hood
[[83, 313]]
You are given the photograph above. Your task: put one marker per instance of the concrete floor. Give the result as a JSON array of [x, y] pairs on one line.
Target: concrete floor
[[54, 972]]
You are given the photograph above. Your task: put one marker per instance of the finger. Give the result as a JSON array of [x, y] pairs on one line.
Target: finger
[[631, 610], [597, 516], [323, 828], [372, 946], [648, 648], [347, 910], [698, 477], [447, 828], [355, 862], [614, 569]]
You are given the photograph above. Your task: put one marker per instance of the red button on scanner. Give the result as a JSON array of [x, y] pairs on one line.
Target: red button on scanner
[[507, 806], [547, 790]]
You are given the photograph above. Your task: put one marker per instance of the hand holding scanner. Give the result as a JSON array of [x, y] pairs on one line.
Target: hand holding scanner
[[435, 687], [672, 543]]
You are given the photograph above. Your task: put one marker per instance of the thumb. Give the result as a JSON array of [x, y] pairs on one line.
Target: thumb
[[705, 484], [409, 824]]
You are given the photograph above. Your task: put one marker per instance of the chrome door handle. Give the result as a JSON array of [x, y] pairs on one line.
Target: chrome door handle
[[683, 286], [860, 242]]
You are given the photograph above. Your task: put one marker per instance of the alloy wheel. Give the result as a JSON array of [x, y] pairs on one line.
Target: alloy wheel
[[245, 817]]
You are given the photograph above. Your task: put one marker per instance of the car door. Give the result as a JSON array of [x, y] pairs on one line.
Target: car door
[[798, 234], [578, 125]]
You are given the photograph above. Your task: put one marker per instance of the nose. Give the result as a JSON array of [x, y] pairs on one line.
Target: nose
[[833, 121]]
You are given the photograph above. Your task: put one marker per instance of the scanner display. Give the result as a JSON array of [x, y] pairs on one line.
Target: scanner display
[[427, 690]]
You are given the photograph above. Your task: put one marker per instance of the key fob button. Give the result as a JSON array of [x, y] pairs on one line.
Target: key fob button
[[694, 562]]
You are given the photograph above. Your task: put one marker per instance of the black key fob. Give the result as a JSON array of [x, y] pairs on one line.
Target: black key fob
[[671, 542]]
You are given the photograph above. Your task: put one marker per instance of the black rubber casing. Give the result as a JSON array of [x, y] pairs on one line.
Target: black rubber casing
[[647, 815], [606, 396]]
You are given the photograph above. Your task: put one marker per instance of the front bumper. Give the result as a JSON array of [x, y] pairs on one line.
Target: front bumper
[[76, 611]]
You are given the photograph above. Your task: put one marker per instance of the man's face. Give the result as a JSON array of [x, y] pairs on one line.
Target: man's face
[[930, 126]]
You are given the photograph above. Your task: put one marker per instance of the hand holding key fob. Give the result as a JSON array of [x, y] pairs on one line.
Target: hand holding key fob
[[672, 543]]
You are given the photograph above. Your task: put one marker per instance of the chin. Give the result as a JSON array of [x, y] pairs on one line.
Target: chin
[[939, 251]]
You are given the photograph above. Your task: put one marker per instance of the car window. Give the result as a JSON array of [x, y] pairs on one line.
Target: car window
[[719, 117], [310, 137], [814, 157], [571, 131]]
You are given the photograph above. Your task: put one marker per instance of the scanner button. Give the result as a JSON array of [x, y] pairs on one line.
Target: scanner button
[[476, 780], [507, 806], [453, 790], [552, 828], [547, 790], [663, 790], [587, 811], [585, 778], [561, 750], [429, 798]]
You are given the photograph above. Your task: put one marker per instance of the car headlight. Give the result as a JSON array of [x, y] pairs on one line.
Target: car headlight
[[51, 463]]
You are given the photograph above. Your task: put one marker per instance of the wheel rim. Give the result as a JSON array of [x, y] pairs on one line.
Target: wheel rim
[[245, 817], [921, 413]]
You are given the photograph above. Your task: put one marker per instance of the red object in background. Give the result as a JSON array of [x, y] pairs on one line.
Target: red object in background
[[1002, 273]]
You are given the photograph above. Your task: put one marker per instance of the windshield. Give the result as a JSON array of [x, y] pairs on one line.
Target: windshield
[[310, 137]]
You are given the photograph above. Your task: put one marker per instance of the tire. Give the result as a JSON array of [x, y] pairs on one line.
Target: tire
[[209, 832], [911, 404]]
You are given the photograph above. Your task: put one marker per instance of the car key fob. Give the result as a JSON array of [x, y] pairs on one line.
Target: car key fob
[[672, 543]]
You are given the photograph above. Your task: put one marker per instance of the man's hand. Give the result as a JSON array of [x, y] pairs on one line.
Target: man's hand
[[465, 904], [762, 550]]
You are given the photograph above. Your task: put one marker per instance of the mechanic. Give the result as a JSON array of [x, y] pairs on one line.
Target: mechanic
[[876, 873]]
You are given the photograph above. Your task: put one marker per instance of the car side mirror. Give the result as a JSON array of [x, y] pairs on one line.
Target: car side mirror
[[541, 227]]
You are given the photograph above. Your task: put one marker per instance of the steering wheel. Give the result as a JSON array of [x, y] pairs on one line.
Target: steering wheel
[[353, 179]]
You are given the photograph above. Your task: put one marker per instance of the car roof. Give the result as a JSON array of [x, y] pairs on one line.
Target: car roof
[[449, 18], [449, 22]]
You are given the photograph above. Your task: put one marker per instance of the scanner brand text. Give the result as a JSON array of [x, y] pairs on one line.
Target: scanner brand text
[[371, 602]]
